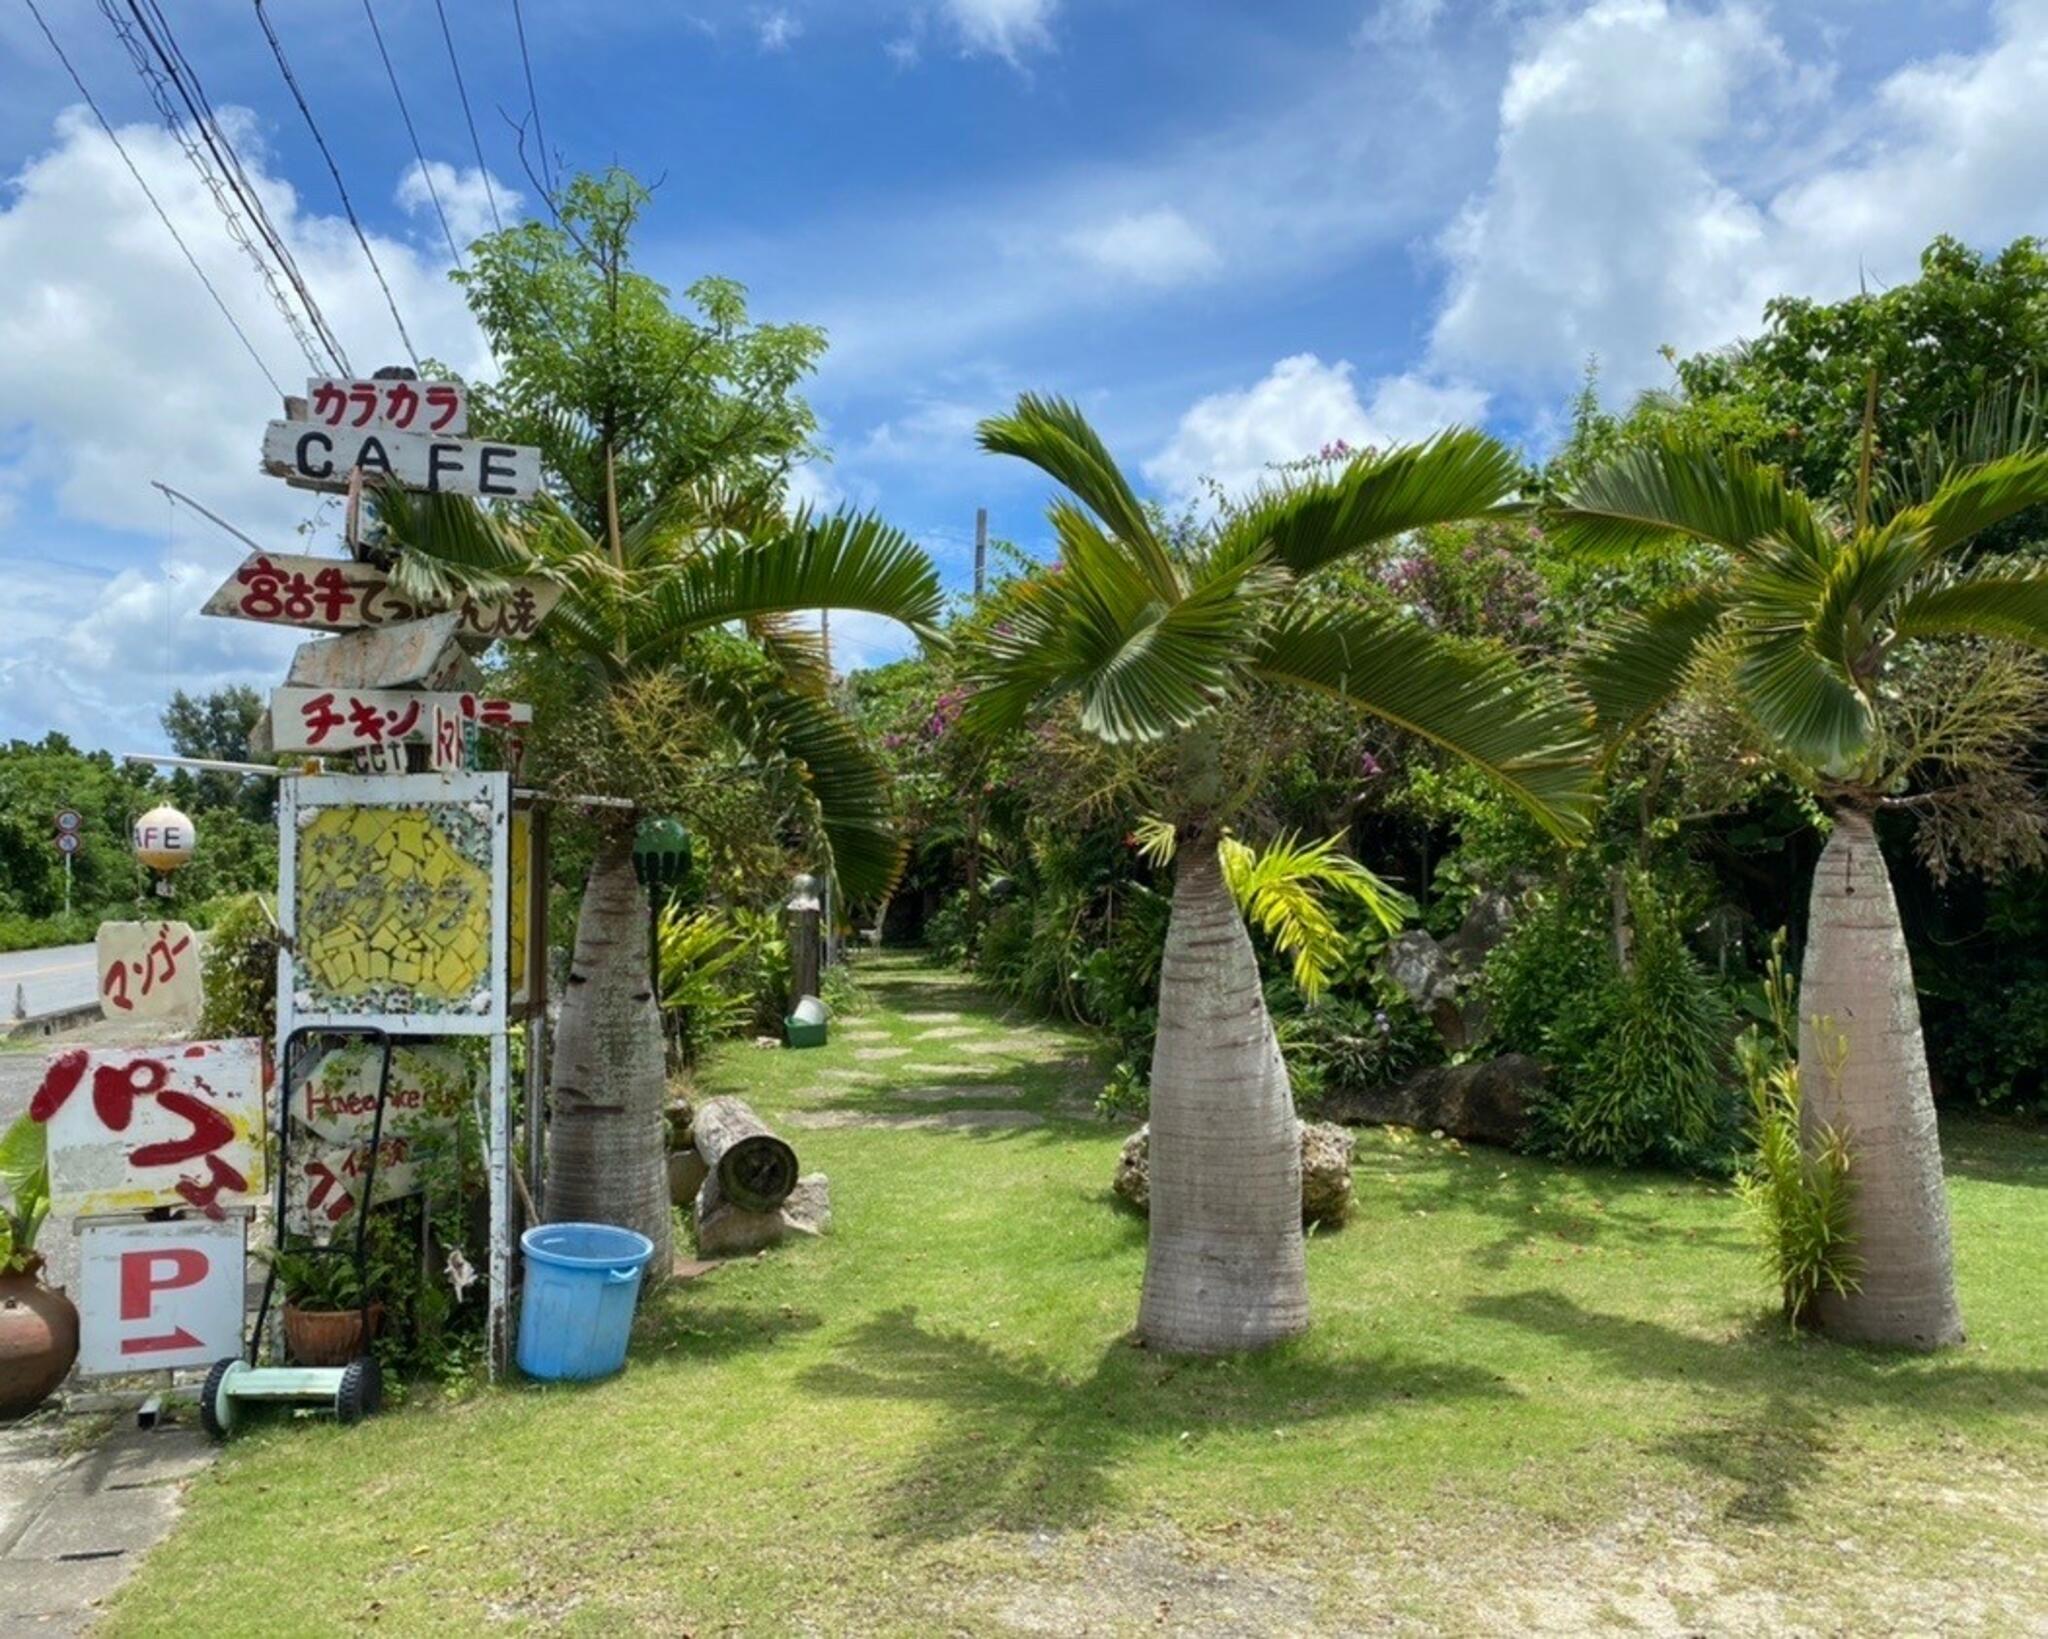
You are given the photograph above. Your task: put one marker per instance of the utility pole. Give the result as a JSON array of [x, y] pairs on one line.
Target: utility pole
[[980, 551]]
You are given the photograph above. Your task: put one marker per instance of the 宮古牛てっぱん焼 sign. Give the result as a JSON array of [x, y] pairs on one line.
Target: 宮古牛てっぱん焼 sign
[[331, 595], [388, 406], [316, 457], [134, 1128]]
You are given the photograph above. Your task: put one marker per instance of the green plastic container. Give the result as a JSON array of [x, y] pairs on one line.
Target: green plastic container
[[806, 1027]]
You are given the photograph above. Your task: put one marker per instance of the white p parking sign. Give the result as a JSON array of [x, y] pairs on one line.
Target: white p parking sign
[[159, 1295]]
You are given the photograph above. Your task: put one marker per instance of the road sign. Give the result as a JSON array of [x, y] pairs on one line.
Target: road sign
[[67, 819], [329, 722], [159, 1296], [388, 406], [67, 842], [135, 1128], [333, 595], [316, 457]]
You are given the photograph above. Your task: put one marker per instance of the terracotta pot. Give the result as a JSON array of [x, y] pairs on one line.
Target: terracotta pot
[[328, 1337], [38, 1339]]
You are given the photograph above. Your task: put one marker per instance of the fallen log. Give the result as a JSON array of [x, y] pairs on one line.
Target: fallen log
[[750, 1165]]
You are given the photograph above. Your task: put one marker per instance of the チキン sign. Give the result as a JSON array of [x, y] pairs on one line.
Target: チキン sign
[[333, 595], [332, 721], [313, 456]]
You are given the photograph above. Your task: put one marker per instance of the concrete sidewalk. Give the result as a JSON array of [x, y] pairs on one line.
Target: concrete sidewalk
[[76, 1518]]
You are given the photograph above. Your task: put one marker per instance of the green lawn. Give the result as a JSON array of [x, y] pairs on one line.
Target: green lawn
[[1535, 1400]]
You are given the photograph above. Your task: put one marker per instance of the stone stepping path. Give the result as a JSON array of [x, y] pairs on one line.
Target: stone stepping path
[[933, 1018], [822, 1120], [867, 1033], [924, 1068], [945, 1091], [1013, 1047], [881, 1052], [949, 1032], [853, 1075]]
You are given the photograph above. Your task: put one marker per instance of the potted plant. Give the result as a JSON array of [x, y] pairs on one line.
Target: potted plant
[[38, 1323], [324, 1308]]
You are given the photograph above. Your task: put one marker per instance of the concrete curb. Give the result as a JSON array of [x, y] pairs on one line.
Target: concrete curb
[[39, 1026]]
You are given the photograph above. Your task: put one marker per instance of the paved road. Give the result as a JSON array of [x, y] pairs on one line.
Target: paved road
[[61, 976]]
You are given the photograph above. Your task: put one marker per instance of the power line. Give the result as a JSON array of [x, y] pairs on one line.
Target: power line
[[482, 169], [163, 216], [340, 187], [404, 113], [221, 185], [532, 101], [186, 79]]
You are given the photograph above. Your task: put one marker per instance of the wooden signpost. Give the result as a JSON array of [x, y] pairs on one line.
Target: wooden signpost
[[421, 654], [311, 456], [336, 595], [331, 722]]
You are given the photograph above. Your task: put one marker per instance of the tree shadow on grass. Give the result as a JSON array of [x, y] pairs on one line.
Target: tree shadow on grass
[[1535, 1201], [1022, 1446], [1778, 1445], [1994, 1151], [678, 1326]]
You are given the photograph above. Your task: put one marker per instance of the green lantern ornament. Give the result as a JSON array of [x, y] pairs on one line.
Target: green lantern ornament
[[661, 852]]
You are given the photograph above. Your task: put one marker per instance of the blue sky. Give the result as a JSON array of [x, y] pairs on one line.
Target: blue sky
[[1235, 232]]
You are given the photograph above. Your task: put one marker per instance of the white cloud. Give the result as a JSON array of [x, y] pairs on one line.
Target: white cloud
[[1400, 22], [1003, 28], [466, 198], [811, 485], [903, 51], [1662, 172], [861, 640], [778, 30], [1156, 247], [932, 430], [1301, 406], [115, 369]]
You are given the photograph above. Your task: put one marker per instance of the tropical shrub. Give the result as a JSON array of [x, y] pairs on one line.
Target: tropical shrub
[[1638, 1057], [239, 970], [25, 1170], [1798, 1189]]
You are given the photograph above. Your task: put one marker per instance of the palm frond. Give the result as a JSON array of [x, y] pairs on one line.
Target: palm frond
[[846, 561], [840, 781], [1484, 706], [2011, 605], [1054, 436], [2012, 419], [1970, 502], [1631, 670], [1676, 484], [1309, 523]]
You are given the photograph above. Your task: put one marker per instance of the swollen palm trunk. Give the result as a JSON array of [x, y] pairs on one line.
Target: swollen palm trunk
[[606, 1132], [1224, 1268], [1857, 1006]]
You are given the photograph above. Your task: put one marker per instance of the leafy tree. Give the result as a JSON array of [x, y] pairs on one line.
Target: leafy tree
[[1813, 626], [631, 398], [667, 665], [216, 727], [1173, 645]]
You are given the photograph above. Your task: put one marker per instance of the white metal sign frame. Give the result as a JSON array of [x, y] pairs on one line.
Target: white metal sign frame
[[301, 796]]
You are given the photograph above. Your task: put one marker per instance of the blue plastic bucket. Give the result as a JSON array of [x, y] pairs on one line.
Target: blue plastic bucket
[[582, 1281]]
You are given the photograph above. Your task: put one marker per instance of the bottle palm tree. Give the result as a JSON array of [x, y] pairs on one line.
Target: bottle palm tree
[[1162, 645], [1809, 618], [644, 619]]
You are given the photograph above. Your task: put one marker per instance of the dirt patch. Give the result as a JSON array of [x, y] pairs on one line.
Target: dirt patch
[[1157, 1581]]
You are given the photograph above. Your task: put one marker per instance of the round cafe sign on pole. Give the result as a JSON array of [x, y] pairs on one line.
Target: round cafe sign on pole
[[165, 838]]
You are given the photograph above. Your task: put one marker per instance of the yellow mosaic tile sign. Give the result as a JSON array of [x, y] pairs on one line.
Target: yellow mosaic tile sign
[[522, 902], [394, 907]]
